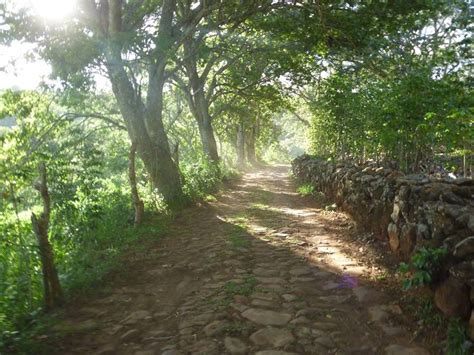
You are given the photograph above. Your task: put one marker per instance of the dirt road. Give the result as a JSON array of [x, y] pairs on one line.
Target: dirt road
[[259, 271]]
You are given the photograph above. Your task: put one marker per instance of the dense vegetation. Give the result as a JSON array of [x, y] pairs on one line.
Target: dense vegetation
[[201, 90]]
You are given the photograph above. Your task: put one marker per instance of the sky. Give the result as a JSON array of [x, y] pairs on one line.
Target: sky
[[16, 71]]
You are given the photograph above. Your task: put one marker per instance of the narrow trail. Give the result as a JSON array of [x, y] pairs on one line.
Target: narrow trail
[[259, 271]]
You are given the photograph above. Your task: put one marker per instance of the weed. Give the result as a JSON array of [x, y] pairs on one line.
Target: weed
[[457, 342], [423, 265], [238, 328], [259, 206], [429, 315], [231, 288], [305, 190], [210, 198], [237, 237]]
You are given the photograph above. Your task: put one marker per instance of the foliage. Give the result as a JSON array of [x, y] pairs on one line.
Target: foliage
[[399, 103], [305, 190], [457, 342], [423, 266], [430, 319]]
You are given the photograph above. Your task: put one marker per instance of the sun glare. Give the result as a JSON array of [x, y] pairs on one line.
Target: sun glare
[[53, 10]]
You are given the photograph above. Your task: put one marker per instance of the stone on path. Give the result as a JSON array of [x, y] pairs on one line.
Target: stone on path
[[263, 303], [136, 316], [144, 352], [272, 336], [171, 352], [325, 341], [300, 271], [215, 328], [289, 298], [396, 349], [260, 271], [378, 313], [265, 296], [325, 325], [266, 317], [273, 352], [204, 346], [366, 295], [235, 345], [331, 285], [271, 280], [391, 330], [130, 335]]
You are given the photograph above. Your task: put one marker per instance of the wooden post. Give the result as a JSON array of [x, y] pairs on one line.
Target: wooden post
[[53, 295], [137, 202]]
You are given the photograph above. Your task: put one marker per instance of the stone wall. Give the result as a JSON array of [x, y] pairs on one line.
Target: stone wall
[[409, 211]]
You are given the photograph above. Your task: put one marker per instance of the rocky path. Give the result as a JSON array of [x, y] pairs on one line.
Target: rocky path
[[260, 271]]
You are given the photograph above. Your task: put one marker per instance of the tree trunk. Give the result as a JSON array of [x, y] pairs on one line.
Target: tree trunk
[[198, 104], [240, 146], [250, 142], [132, 176], [53, 296], [208, 139], [145, 122]]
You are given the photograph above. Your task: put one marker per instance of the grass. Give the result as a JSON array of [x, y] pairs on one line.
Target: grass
[[210, 198], [87, 271], [429, 318], [238, 328], [457, 342], [231, 288], [237, 238], [238, 233], [263, 196]]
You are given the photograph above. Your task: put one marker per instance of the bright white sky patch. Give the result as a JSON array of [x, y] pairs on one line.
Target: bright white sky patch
[[54, 10], [16, 71], [50, 10]]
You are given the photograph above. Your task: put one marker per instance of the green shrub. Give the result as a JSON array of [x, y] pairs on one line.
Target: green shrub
[[457, 342], [423, 266], [305, 190]]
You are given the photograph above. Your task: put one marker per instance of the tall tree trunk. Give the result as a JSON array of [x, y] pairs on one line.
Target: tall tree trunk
[[53, 295], [208, 140], [240, 145], [138, 204], [145, 122], [250, 142], [198, 104]]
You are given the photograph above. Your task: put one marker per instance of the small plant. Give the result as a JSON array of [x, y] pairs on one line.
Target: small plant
[[210, 198], [238, 328], [429, 315], [231, 288], [457, 342], [305, 190], [237, 237], [423, 265]]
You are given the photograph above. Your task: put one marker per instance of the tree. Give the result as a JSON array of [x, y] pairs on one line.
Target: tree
[[129, 41]]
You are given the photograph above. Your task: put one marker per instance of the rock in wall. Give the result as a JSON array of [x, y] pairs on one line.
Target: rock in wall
[[409, 211]]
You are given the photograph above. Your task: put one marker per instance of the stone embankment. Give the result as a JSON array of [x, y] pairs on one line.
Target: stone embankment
[[409, 212]]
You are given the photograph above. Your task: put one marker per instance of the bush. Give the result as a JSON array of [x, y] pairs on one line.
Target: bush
[[425, 263]]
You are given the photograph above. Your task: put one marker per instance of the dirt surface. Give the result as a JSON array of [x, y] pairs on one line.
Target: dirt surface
[[259, 271]]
